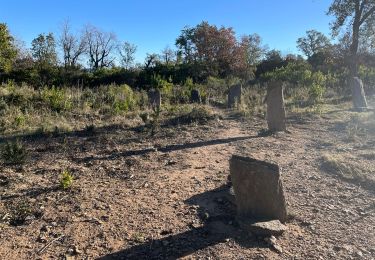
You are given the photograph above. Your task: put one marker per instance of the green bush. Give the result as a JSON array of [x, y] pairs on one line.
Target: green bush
[[14, 152], [56, 98], [317, 89], [122, 98], [367, 74]]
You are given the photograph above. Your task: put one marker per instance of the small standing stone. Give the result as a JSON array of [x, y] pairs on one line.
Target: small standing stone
[[275, 107], [154, 97], [234, 95], [195, 96], [358, 95], [258, 189]]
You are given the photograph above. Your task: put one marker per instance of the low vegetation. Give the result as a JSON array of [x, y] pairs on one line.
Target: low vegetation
[[66, 180], [14, 153], [348, 169]]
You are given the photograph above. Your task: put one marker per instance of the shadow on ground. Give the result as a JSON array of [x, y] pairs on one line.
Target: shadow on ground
[[168, 148], [217, 215]]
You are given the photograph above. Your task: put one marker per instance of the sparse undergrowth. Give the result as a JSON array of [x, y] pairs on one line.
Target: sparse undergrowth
[[14, 153], [348, 169], [20, 211], [191, 114]]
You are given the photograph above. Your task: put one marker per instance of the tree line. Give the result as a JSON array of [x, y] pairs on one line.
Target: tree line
[[93, 56]]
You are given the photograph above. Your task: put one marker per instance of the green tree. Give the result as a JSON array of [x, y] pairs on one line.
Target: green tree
[[313, 43], [44, 50], [356, 16], [254, 48], [8, 51], [185, 44], [44, 53]]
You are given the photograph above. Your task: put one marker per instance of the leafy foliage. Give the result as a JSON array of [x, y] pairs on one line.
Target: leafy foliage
[[66, 180], [8, 51], [57, 98], [313, 43]]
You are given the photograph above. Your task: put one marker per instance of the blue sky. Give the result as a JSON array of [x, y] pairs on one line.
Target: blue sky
[[152, 25]]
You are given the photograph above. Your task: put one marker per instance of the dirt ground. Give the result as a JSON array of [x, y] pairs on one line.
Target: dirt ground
[[165, 197]]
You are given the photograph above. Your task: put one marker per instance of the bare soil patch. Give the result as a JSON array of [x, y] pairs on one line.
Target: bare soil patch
[[135, 196]]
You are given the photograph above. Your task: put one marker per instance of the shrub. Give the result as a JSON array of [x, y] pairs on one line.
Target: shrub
[[122, 98], [66, 180], [196, 114], [162, 84], [317, 89], [14, 153], [56, 98]]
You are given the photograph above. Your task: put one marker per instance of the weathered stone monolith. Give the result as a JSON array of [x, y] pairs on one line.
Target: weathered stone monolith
[[195, 96], [358, 95], [154, 97], [275, 107], [258, 189], [234, 95]]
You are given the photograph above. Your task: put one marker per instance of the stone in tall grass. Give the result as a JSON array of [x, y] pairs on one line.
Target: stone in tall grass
[[234, 95], [154, 97], [275, 107], [358, 94], [195, 96]]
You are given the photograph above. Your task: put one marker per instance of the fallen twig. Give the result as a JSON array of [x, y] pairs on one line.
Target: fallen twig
[[50, 243]]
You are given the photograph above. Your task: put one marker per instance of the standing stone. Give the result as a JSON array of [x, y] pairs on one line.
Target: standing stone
[[275, 107], [234, 95], [358, 94], [195, 96], [154, 98], [258, 189]]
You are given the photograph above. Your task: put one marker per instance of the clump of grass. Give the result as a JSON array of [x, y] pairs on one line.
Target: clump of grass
[[353, 128], [196, 114], [20, 212], [145, 117], [251, 103], [138, 238], [90, 129], [155, 121], [347, 170], [14, 152], [66, 180]]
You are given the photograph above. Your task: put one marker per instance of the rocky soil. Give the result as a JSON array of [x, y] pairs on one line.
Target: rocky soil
[[165, 197]]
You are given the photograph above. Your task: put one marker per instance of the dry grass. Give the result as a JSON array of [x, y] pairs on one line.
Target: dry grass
[[348, 169]]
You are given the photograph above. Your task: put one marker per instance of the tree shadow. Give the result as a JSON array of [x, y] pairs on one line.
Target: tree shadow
[[87, 132], [168, 148], [31, 192], [217, 217]]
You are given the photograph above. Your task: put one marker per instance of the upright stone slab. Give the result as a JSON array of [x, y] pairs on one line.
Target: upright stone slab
[[195, 96], [154, 97], [358, 94], [234, 95], [275, 107], [258, 189]]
